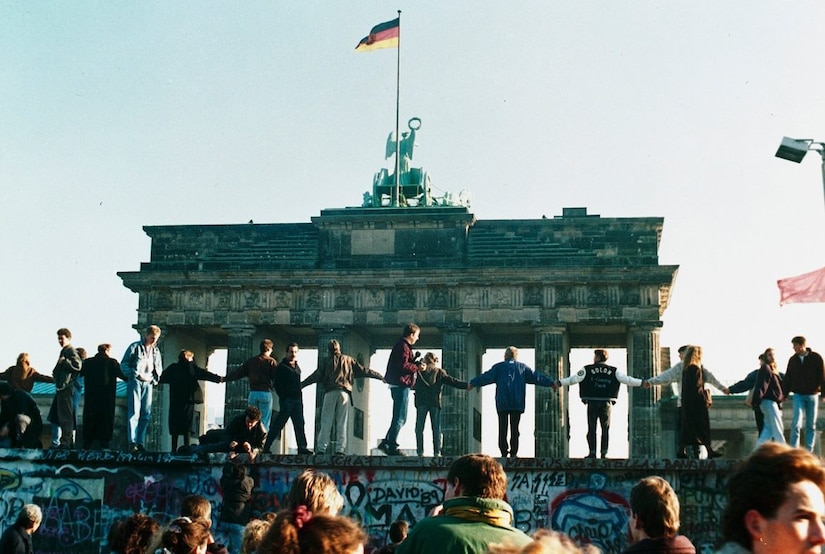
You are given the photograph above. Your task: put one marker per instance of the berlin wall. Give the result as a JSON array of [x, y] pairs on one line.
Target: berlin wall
[[83, 492]]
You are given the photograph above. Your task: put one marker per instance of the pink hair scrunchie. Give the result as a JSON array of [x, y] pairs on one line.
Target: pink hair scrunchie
[[301, 515]]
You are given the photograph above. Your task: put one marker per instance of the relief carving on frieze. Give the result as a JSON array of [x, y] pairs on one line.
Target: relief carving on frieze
[[195, 300], [313, 300], [343, 300], [405, 299], [252, 299], [437, 298], [283, 299], [164, 300], [222, 300]]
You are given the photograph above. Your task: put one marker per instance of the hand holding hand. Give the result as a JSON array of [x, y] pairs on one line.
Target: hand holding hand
[[646, 384]]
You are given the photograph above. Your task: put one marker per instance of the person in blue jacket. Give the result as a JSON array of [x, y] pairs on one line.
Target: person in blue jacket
[[511, 378]]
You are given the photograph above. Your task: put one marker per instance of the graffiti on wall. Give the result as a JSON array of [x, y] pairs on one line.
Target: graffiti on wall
[[82, 498]]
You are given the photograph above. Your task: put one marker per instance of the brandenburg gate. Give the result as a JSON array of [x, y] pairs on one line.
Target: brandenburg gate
[[576, 280]]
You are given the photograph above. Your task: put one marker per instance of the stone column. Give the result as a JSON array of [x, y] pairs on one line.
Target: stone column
[[460, 411], [241, 347], [644, 361], [552, 428]]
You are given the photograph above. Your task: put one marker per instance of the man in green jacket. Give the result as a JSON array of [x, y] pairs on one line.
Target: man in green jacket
[[474, 513]]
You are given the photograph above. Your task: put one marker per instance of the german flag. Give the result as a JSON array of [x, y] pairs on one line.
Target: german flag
[[383, 35]]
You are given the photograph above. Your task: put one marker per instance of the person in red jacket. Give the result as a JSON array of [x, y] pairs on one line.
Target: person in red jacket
[[402, 368]]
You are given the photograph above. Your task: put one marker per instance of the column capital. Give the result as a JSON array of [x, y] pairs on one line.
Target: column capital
[[550, 329], [459, 328], [646, 326], [239, 330]]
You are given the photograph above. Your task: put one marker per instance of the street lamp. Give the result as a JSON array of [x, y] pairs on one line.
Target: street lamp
[[795, 149]]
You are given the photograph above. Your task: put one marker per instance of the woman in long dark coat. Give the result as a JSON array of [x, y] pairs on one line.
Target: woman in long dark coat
[[100, 374], [695, 417], [183, 378]]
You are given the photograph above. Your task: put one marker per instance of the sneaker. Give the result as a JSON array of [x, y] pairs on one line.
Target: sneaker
[[305, 452], [133, 447], [395, 452]]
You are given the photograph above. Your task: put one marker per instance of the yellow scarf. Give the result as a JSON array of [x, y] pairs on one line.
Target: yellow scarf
[[499, 518]]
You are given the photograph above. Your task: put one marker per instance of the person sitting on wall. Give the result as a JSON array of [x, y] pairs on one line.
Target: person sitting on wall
[[20, 421], [244, 436]]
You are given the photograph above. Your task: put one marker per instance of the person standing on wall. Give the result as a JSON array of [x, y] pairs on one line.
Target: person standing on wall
[[804, 378], [768, 397], [336, 377], [511, 378], [673, 376], [182, 378], [260, 370], [402, 368], [599, 388], [65, 373], [142, 366], [290, 399], [101, 373], [428, 387]]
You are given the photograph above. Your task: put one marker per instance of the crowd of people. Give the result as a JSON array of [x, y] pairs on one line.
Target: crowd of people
[[776, 504]]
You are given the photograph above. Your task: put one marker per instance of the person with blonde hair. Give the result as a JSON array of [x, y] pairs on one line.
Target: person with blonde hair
[[299, 531], [695, 435], [545, 541], [253, 533], [142, 366], [23, 376], [17, 538], [317, 491]]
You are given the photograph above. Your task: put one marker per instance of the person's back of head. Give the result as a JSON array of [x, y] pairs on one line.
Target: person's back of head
[[399, 530], [137, 534], [265, 346], [511, 353], [253, 533], [317, 491], [301, 532], [185, 536], [479, 475], [29, 517], [545, 541], [656, 507], [600, 355], [196, 506], [762, 483]]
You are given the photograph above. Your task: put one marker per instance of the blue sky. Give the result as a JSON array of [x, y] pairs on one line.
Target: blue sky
[[118, 115]]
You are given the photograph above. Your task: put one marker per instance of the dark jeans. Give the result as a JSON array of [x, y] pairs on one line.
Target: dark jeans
[[400, 399], [291, 408], [598, 412], [435, 423], [511, 418]]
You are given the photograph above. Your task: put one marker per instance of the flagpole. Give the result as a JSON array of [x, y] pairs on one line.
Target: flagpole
[[397, 117]]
